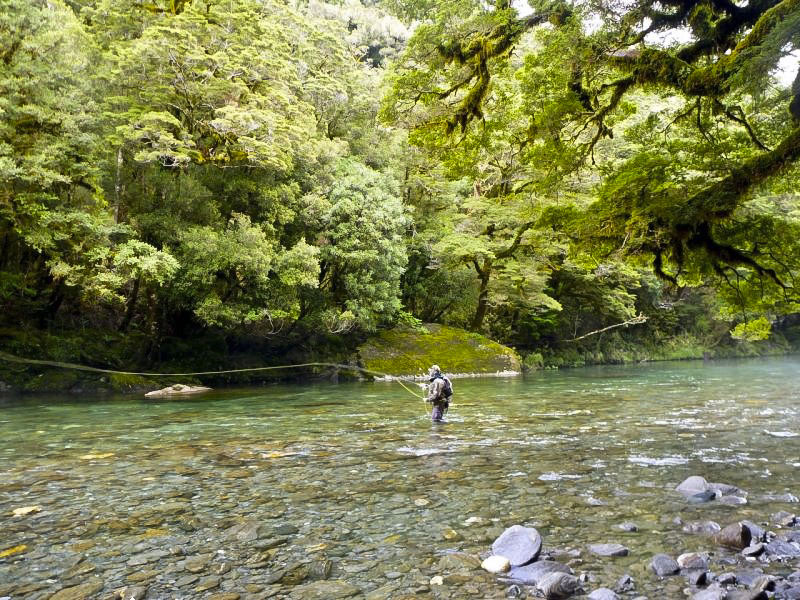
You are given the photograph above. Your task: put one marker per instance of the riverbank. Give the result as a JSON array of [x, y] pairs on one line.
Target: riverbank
[[401, 352]]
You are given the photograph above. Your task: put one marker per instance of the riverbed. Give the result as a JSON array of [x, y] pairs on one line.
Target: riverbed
[[348, 490]]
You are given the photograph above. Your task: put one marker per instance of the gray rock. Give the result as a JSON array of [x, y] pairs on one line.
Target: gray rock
[[603, 594], [788, 498], [692, 560], [735, 535], [286, 529], [702, 497], [725, 489], [732, 500], [746, 595], [198, 563], [747, 577], [711, 593], [556, 586], [608, 549], [754, 550], [697, 577], [664, 565], [766, 583], [321, 569], [789, 593], [757, 534], [692, 485], [207, 583], [629, 527], [726, 579], [520, 545], [707, 527], [625, 584], [248, 531], [782, 549], [533, 573], [186, 580], [784, 519]]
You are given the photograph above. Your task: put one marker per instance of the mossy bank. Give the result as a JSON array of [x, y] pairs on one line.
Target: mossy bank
[[410, 352]]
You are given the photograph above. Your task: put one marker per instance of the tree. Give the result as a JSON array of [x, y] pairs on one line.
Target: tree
[[727, 134]]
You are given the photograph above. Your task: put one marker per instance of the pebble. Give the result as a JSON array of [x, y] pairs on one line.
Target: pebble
[[609, 549], [496, 564]]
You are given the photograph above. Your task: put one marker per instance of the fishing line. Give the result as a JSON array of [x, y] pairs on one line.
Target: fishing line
[[65, 365]]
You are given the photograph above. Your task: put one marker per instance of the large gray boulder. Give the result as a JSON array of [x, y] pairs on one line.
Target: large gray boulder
[[556, 586], [664, 565], [520, 545], [692, 485], [533, 573]]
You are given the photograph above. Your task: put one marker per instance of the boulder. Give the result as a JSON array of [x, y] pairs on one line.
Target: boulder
[[608, 549], [748, 577], [692, 485], [533, 573], [519, 544], [692, 560], [664, 565], [697, 577], [735, 535], [754, 550], [603, 594], [178, 389], [556, 586], [711, 593], [757, 534], [784, 519], [725, 489], [707, 527], [702, 497], [496, 564], [780, 548]]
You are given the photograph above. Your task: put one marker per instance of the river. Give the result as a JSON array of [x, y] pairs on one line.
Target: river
[[348, 490]]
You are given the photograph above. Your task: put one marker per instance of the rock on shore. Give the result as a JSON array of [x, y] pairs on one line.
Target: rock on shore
[[178, 389]]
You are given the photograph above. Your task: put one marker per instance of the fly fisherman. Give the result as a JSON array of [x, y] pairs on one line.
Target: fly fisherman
[[440, 390]]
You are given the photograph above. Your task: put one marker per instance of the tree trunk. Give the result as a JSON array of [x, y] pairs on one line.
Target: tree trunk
[[484, 273], [130, 309]]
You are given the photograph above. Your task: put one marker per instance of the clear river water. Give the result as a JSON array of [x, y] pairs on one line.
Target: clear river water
[[348, 490]]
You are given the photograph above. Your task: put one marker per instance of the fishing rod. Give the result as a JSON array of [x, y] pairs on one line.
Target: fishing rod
[[65, 365]]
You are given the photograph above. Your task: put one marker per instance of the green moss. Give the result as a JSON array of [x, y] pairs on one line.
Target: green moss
[[407, 352]]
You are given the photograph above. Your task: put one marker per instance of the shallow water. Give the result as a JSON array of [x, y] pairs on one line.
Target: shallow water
[[353, 484]]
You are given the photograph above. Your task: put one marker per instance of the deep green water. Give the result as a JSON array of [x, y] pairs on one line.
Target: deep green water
[[355, 474]]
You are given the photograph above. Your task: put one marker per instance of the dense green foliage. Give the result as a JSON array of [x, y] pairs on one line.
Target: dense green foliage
[[190, 182]]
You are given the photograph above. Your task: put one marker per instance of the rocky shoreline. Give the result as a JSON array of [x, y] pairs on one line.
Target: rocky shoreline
[[740, 551]]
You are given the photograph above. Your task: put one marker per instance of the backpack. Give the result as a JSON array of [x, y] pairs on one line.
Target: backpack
[[447, 389]]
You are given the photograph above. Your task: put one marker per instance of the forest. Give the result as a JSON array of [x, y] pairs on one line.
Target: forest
[[217, 183]]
